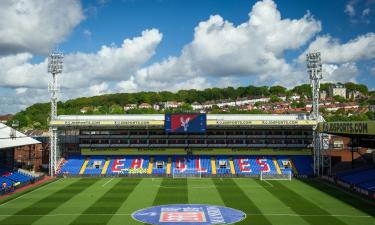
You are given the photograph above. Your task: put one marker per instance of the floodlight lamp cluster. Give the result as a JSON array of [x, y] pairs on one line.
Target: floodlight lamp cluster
[[55, 62], [314, 65]]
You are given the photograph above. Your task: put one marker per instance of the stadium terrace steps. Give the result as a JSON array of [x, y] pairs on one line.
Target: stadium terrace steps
[[213, 165], [150, 165], [231, 164], [159, 165], [169, 165], [295, 171], [83, 168], [105, 167], [276, 165]]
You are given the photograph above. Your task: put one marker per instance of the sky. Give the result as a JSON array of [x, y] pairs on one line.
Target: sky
[[113, 46]]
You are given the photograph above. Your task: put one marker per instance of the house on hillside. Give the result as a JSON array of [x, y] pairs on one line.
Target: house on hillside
[[85, 109], [145, 106], [171, 104], [5, 118], [208, 104], [337, 89], [196, 106], [130, 106]]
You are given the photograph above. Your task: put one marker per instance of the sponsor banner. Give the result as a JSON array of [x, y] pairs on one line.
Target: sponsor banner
[[201, 124], [360, 127], [107, 123], [132, 151], [182, 214], [260, 122]]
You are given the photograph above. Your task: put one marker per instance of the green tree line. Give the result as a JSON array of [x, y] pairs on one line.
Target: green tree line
[[37, 115]]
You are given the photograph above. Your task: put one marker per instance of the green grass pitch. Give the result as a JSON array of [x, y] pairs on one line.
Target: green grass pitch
[[94, 201]]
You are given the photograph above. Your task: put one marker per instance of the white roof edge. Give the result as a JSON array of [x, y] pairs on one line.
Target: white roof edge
[[21, 139]]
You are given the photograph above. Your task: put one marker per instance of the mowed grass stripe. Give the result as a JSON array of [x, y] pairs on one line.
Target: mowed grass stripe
[[301, 205], [142, 197], [172, 191], [107, 204], [234, 197], [49, 203], [267, 203], [338, 194]]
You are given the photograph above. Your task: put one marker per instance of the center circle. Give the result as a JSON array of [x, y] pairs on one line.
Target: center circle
[[182, 214]]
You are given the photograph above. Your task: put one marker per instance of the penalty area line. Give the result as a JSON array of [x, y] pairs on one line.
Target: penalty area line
[[107, 182]]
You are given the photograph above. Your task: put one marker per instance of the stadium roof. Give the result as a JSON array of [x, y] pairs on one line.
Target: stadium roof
[[6, 141]]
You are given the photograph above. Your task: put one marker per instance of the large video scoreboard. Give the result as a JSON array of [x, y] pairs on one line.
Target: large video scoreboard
[[185, 123]]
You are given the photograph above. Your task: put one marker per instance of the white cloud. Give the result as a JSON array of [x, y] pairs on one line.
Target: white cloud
[[221, 49], [82, 69], [366, 12], [349, 8], [220, 54], [84, 74], [36, 26], [340, 73], [372, 71], [360, 48], [87, 33]]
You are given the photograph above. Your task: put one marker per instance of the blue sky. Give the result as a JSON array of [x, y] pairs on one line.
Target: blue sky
[[150, 45]]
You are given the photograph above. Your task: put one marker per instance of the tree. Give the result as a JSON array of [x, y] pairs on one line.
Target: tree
[[274, 99], [296, 104], [339, 98], [278, 90]]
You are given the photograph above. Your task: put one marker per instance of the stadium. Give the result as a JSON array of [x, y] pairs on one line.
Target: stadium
[[92, 165], [188, 169]]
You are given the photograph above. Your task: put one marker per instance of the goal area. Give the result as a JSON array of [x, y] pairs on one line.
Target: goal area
[[286, 175], [186, 173]]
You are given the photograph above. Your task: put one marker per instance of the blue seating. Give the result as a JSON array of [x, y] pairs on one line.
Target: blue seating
[[359, 177], [163, 170], [184, 164], [72, 165], [251, 165], [18, 177], [222, 170], [12, 177], [304, 164], [128, 165]]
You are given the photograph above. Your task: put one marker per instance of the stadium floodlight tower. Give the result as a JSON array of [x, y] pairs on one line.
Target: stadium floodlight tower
[[55, 66], [314, 68]]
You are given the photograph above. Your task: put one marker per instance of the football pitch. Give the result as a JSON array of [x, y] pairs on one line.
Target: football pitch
[[93, 201]]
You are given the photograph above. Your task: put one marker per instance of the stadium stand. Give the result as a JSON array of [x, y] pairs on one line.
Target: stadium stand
[[158, 165], [303, 164], [72, 165], [13, 177], [364, 178]]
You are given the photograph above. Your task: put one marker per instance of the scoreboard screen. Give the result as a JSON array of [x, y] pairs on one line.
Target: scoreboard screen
[[185, 123]]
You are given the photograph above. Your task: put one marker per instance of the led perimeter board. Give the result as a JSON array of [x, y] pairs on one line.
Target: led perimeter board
[[185, 123]]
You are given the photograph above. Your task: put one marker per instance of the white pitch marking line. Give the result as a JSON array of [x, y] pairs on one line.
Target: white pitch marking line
[[107, 182], [270, 185], [249, 214]]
